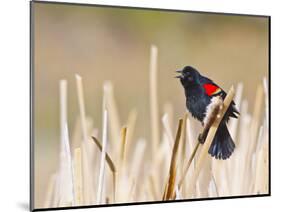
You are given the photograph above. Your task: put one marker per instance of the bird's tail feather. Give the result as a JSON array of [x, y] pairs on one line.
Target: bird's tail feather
[[222, 145]]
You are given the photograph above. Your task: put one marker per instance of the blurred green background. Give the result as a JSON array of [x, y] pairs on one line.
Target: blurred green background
[[114, 44]]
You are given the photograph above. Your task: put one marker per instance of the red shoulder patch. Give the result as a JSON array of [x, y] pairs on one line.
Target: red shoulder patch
[[211, 89]]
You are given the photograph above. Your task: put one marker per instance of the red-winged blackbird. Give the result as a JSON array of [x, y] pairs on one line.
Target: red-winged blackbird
[[199, 91]]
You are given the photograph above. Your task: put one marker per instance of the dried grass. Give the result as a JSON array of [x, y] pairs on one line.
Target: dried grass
[[163, 167], [170, 187]]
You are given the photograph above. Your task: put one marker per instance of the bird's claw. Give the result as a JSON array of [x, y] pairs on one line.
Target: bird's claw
[[201, 138]]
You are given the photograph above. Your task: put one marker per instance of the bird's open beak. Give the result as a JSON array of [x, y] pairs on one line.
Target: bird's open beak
[[179, 76]]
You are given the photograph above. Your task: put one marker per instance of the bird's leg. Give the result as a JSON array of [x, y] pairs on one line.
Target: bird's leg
[[201, 139]]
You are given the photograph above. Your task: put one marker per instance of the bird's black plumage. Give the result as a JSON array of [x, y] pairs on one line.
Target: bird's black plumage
[[199, 91]]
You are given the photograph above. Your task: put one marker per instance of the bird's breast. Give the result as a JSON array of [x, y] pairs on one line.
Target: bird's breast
[[196, 104]]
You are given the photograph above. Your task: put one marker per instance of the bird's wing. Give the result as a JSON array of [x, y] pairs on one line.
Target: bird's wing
[[212, 89]]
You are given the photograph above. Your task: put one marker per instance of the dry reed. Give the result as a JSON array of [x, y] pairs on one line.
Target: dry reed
[[103, 152], [163, 167], [154, 113], [169, 189]]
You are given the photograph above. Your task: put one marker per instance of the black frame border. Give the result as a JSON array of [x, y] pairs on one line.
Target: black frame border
[[31, 107]]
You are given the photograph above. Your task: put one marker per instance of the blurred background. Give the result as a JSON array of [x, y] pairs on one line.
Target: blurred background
[[113, 44]]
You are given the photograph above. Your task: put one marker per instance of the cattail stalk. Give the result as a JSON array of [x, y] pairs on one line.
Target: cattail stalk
[[154, 110], [81, 104], [66, 168], [173, 164], [114, 121], [167, 129], [103, 153], [110, 164], [78, 177], [131, 123]]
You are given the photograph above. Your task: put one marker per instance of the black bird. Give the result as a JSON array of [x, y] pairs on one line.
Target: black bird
[[199, 91]]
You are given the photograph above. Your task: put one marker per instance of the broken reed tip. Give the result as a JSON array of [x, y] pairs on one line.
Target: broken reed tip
[[165, 117], [153, 47], [107, 86], [78, 77], [63, 81]]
